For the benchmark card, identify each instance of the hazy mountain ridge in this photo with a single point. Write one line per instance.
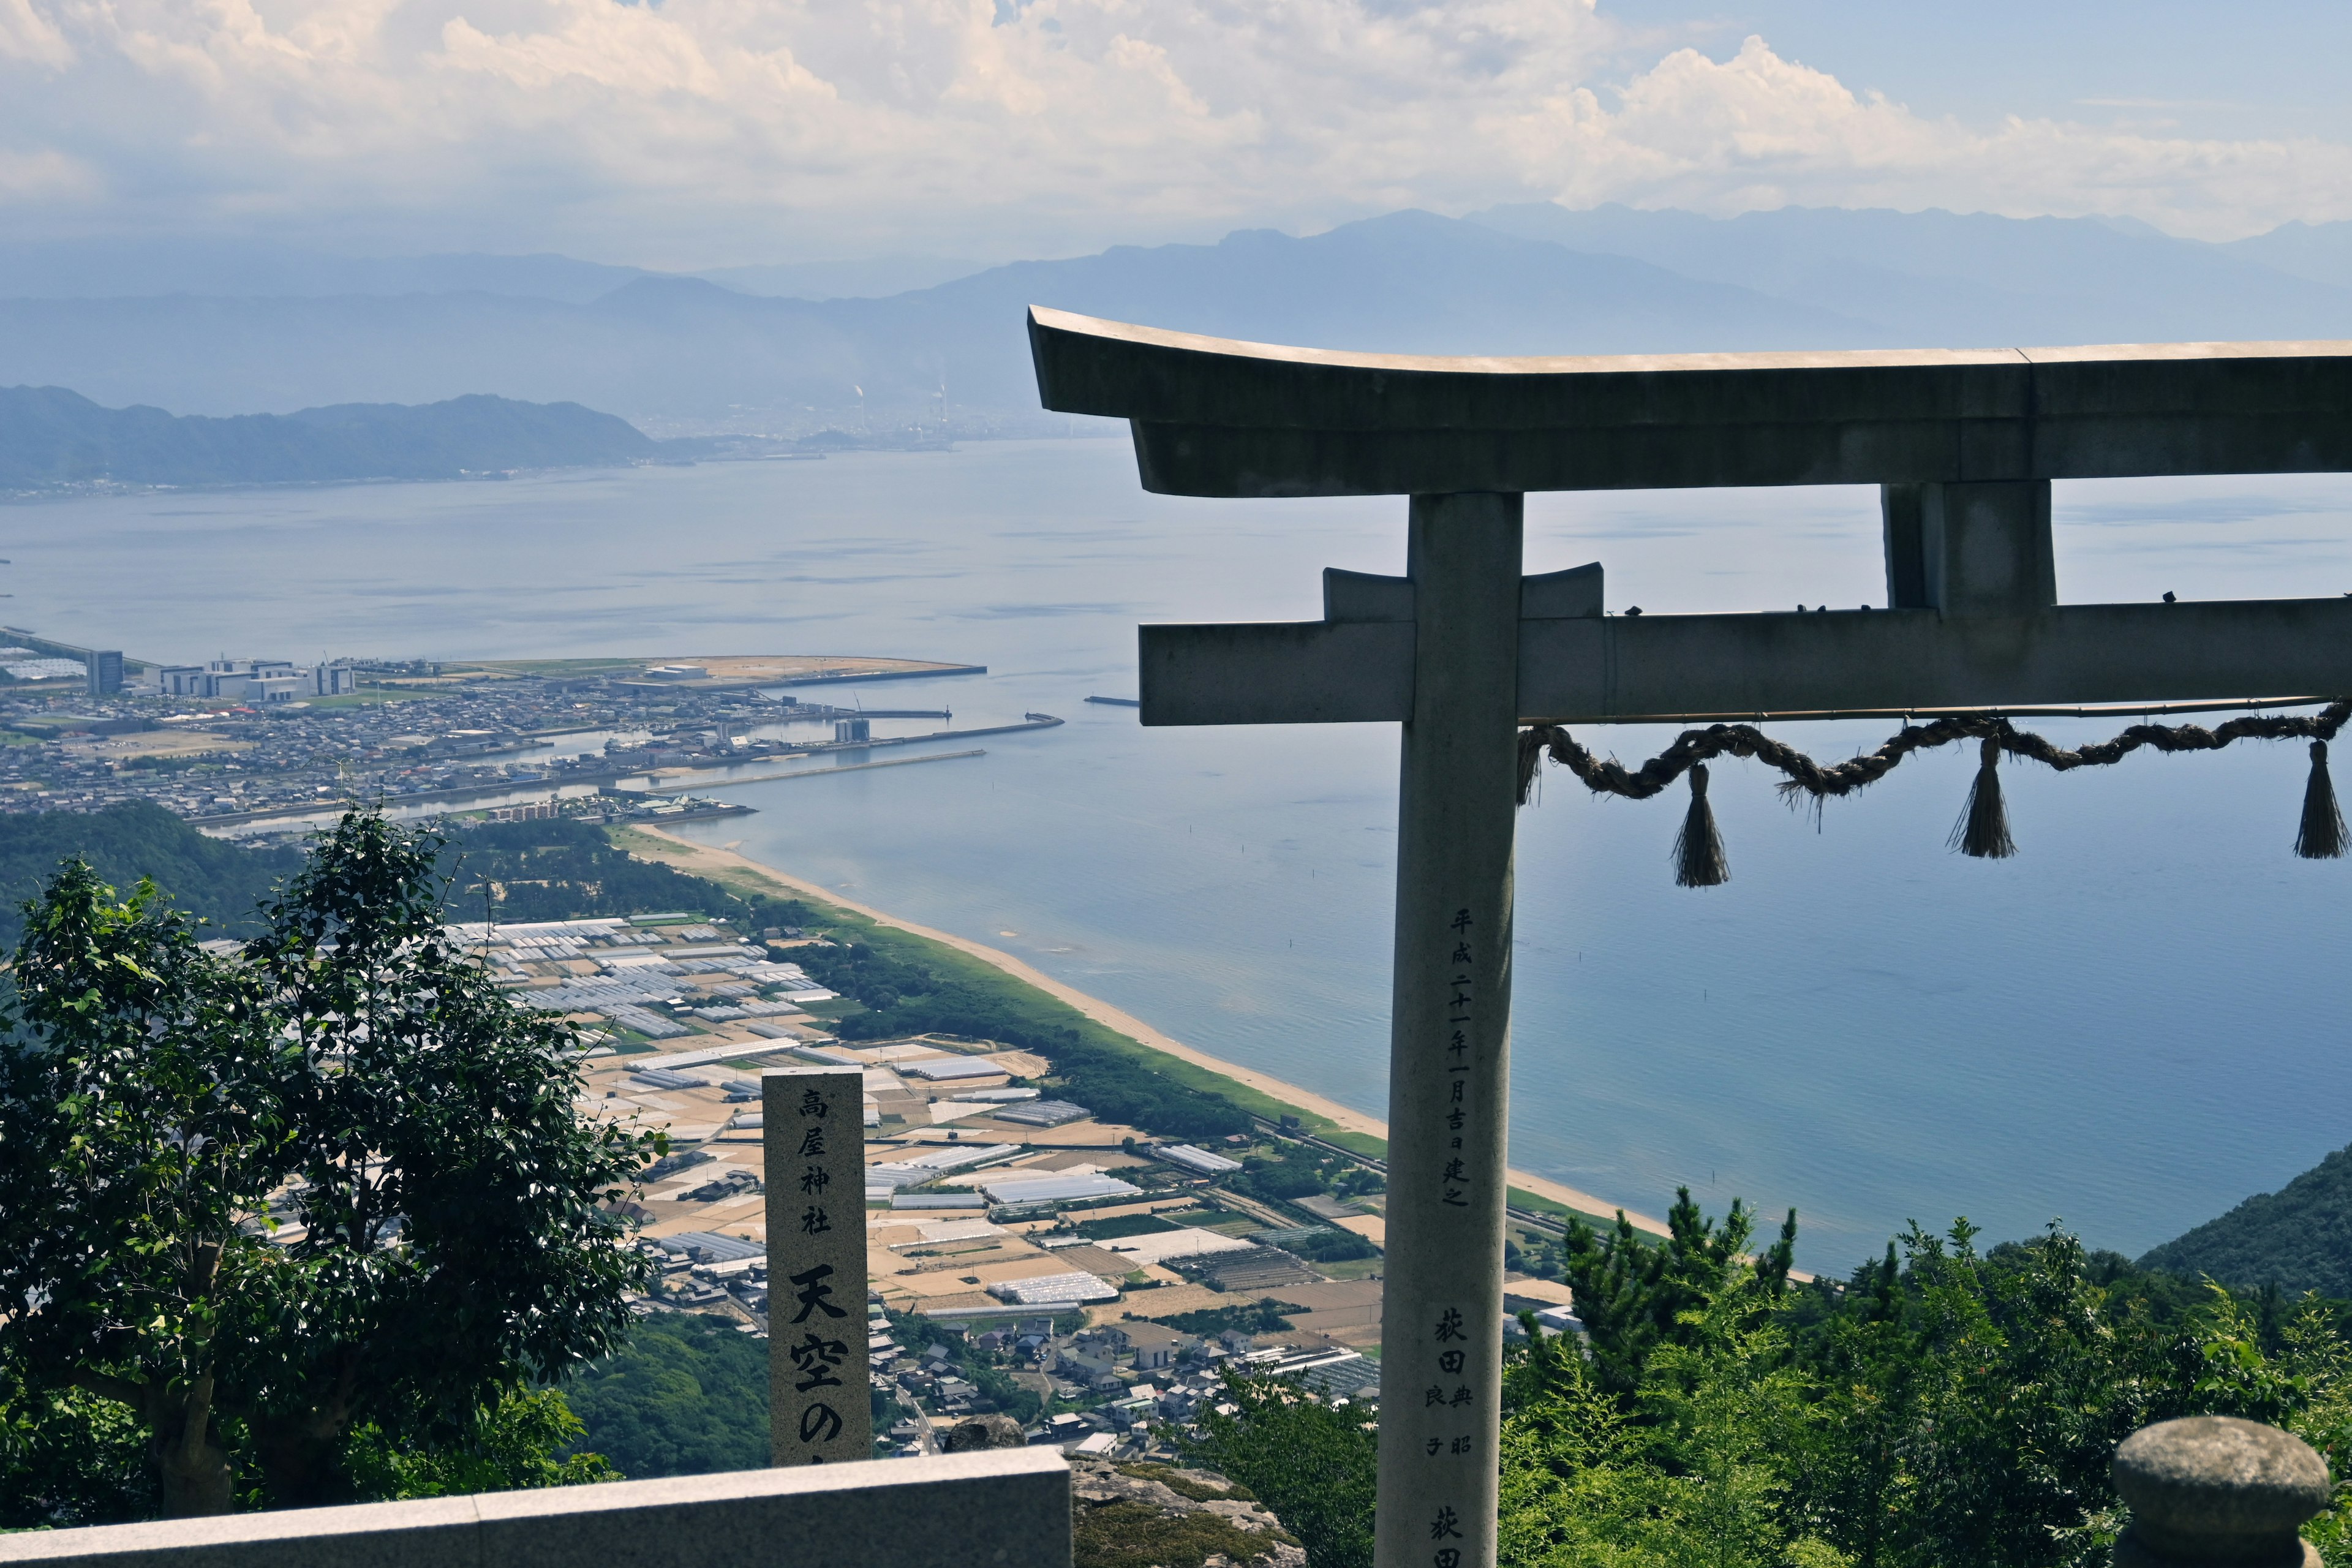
(241, 269)
(1969, 280)
(50, 438)
(244, 270)
(676, 354)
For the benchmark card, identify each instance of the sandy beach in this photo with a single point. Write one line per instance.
(726, 865)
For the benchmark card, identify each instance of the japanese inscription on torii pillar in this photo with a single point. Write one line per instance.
(1462, 649)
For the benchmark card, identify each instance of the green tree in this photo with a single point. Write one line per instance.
(217, 880)
(456, 1237)
(514, 1440)
(1579, 1484)
(69, 1457)
(454, 1240)
(687, 1396)
(1631, 1294)
(1696, 1470)
(139, 1134)
(1315, 1465)
(1972, 1406)
(1732, 1416)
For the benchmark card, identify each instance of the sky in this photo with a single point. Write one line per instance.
(694, 133)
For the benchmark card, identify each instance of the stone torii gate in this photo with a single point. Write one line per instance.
(1463, 648)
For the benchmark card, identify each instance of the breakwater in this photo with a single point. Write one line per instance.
(845, 768)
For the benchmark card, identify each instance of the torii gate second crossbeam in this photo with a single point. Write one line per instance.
(1463, 648)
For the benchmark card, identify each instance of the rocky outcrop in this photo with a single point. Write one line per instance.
(982, 1432)
(1156, 1516)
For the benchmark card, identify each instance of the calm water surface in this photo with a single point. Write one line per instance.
(2130, 1026)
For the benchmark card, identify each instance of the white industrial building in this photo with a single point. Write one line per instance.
(255, 680)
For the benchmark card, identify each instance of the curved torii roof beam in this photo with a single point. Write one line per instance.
(1213, 417)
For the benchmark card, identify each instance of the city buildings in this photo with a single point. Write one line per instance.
(243, 679)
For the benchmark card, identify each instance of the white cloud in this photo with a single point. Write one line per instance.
(28, 37)
(1757, 131)
(46, 175)
(712, 130)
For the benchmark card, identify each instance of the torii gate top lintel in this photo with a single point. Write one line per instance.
(1214, 416)
(1963, 446)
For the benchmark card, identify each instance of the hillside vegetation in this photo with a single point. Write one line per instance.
(2298, 1239)
(518, 872)
(222, 882)
(50, 437)
(689, 1396)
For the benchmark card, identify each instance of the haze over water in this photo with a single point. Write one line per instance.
(2132, 1026)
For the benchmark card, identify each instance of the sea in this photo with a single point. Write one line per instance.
(2124, 1030)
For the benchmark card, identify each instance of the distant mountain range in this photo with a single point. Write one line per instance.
(230, 330)
(248, 269)
(50, 438)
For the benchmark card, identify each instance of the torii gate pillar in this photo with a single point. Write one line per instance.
(1449, 1038)
(1461, 650)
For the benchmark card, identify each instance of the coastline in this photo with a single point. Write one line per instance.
(711, 860)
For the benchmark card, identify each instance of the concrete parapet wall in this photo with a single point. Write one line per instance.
(999, 1509)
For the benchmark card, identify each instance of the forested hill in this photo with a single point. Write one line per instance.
(2298, 1239)
(220, 881)
(50, 438)
(539, 870)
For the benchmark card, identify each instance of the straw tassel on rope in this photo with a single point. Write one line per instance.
(2321, 836)
(1698, 848)
(1982, 831)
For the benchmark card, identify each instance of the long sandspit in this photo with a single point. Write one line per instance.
(707, 859)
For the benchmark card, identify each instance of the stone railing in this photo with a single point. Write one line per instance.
(995, 1508)
(2209, 1491)
(2212, 1490)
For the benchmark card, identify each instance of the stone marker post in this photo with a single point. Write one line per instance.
(813, 1137)
(2208, 1492)
(1449, 1057)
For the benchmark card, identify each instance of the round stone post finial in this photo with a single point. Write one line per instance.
(2213, 1491)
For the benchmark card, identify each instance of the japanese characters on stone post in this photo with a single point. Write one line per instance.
(820, 1410)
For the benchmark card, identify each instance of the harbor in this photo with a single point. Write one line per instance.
(235, 745)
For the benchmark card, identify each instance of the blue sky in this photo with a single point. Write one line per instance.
(705, 132)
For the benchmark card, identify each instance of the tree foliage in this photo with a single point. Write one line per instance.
(687, 1396)
(334, 1182)
(1632, 1295)
(515, 1438)
(558, 869)
(1944, 1408)
(2298, 1239)
(138, 1132)
(220, 882)
(1315, 1465)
